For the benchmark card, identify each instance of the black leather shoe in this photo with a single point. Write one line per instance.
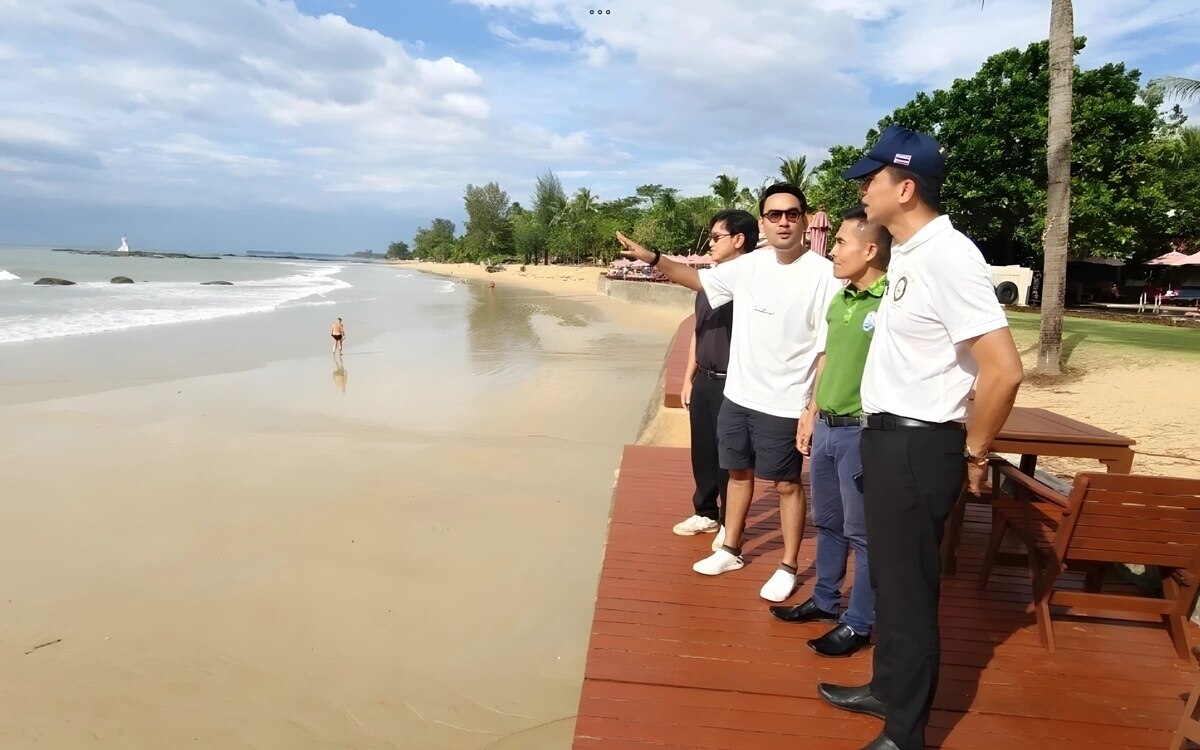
(882, 743)
(841, 641)
(856, 699)
(806, 612)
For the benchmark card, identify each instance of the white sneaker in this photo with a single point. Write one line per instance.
(719, 562)
(719, 539)
(695, 525)
(780, 586)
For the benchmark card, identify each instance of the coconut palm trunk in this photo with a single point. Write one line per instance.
(1058, 193)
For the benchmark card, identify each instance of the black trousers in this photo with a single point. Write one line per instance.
(911, 479)
(711, 480)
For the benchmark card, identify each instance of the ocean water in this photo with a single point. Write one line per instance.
(166, 291)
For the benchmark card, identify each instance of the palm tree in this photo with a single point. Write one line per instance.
(1186, 148)
(1058, 190)
(726, 189)
(578, 218)
(747, 200)
(794, 170)
(1187, 89)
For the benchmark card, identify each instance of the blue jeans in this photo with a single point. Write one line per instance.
(839, 514)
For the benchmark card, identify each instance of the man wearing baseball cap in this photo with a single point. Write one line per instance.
(939, 330)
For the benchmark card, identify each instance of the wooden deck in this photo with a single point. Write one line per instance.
(678, 660)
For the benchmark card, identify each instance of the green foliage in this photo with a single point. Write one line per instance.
(1179, 158)
(993, 127)
(830, 192)
(436, 242)
(489, 231)
(399, 251)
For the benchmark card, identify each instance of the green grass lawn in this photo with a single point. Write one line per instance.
(1149, 339)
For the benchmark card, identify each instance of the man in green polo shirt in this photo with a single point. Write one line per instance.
(829, 436)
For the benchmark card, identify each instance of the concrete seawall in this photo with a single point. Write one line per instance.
(671, 296)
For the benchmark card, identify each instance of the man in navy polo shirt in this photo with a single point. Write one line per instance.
(939, 330)
(730, 233)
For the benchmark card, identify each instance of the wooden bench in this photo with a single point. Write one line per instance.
(1106, 519)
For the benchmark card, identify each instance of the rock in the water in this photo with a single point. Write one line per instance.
(50, 281)
(218, 283)
(121, 280)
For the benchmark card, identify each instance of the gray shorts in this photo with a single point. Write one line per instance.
(749, 439)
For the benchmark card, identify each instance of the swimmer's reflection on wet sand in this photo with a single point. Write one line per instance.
(339, 373)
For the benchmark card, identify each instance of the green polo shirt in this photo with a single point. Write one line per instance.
(851, 319)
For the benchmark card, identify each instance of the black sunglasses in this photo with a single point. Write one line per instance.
(793, 214)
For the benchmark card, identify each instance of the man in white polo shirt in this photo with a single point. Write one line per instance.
(938, 331)
(778, 333)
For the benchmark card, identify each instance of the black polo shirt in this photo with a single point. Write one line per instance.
(713, 331)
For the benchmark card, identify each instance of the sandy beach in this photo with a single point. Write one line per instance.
(212, 539)
(566, 281)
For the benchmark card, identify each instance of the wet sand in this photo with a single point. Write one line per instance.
(247, 549)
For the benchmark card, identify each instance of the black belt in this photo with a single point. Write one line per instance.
(837, 420)
(892, 422)
(713, 374)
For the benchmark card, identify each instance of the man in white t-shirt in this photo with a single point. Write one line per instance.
(939, 330)
(778, 334)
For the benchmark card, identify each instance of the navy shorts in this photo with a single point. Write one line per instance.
(749, 439)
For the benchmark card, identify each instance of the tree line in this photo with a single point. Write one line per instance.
(1135, 179)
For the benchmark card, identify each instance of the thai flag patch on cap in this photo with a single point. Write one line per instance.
(903, 159)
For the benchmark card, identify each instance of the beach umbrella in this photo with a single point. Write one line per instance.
(818, 233)
(1175, 258)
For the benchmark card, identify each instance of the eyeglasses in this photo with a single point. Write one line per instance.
(717, 237)
(792, 214)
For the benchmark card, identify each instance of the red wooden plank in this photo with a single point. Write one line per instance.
(676, 363)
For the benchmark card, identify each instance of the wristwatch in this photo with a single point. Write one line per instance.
(972, 458)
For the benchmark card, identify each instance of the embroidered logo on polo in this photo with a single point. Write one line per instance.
(901, 287)
(869, 322)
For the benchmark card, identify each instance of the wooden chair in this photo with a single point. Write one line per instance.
(1189, 726)
(1107, 519)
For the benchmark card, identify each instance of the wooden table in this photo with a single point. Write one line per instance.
(1039, 432)
(1032, 433)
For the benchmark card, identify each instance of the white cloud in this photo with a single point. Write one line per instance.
(501, 31)
(224, 102)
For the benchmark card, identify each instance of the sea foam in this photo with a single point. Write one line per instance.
(99, 307)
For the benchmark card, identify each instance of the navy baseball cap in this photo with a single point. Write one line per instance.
(901, 147)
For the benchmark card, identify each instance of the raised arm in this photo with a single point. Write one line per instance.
(681, 274)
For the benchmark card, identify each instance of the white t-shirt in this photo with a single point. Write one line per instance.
(939, 297)
(778, 326)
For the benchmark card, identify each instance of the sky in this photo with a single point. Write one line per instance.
(344, 125)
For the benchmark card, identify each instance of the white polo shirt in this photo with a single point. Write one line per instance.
(939, 297)
(778, 326)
